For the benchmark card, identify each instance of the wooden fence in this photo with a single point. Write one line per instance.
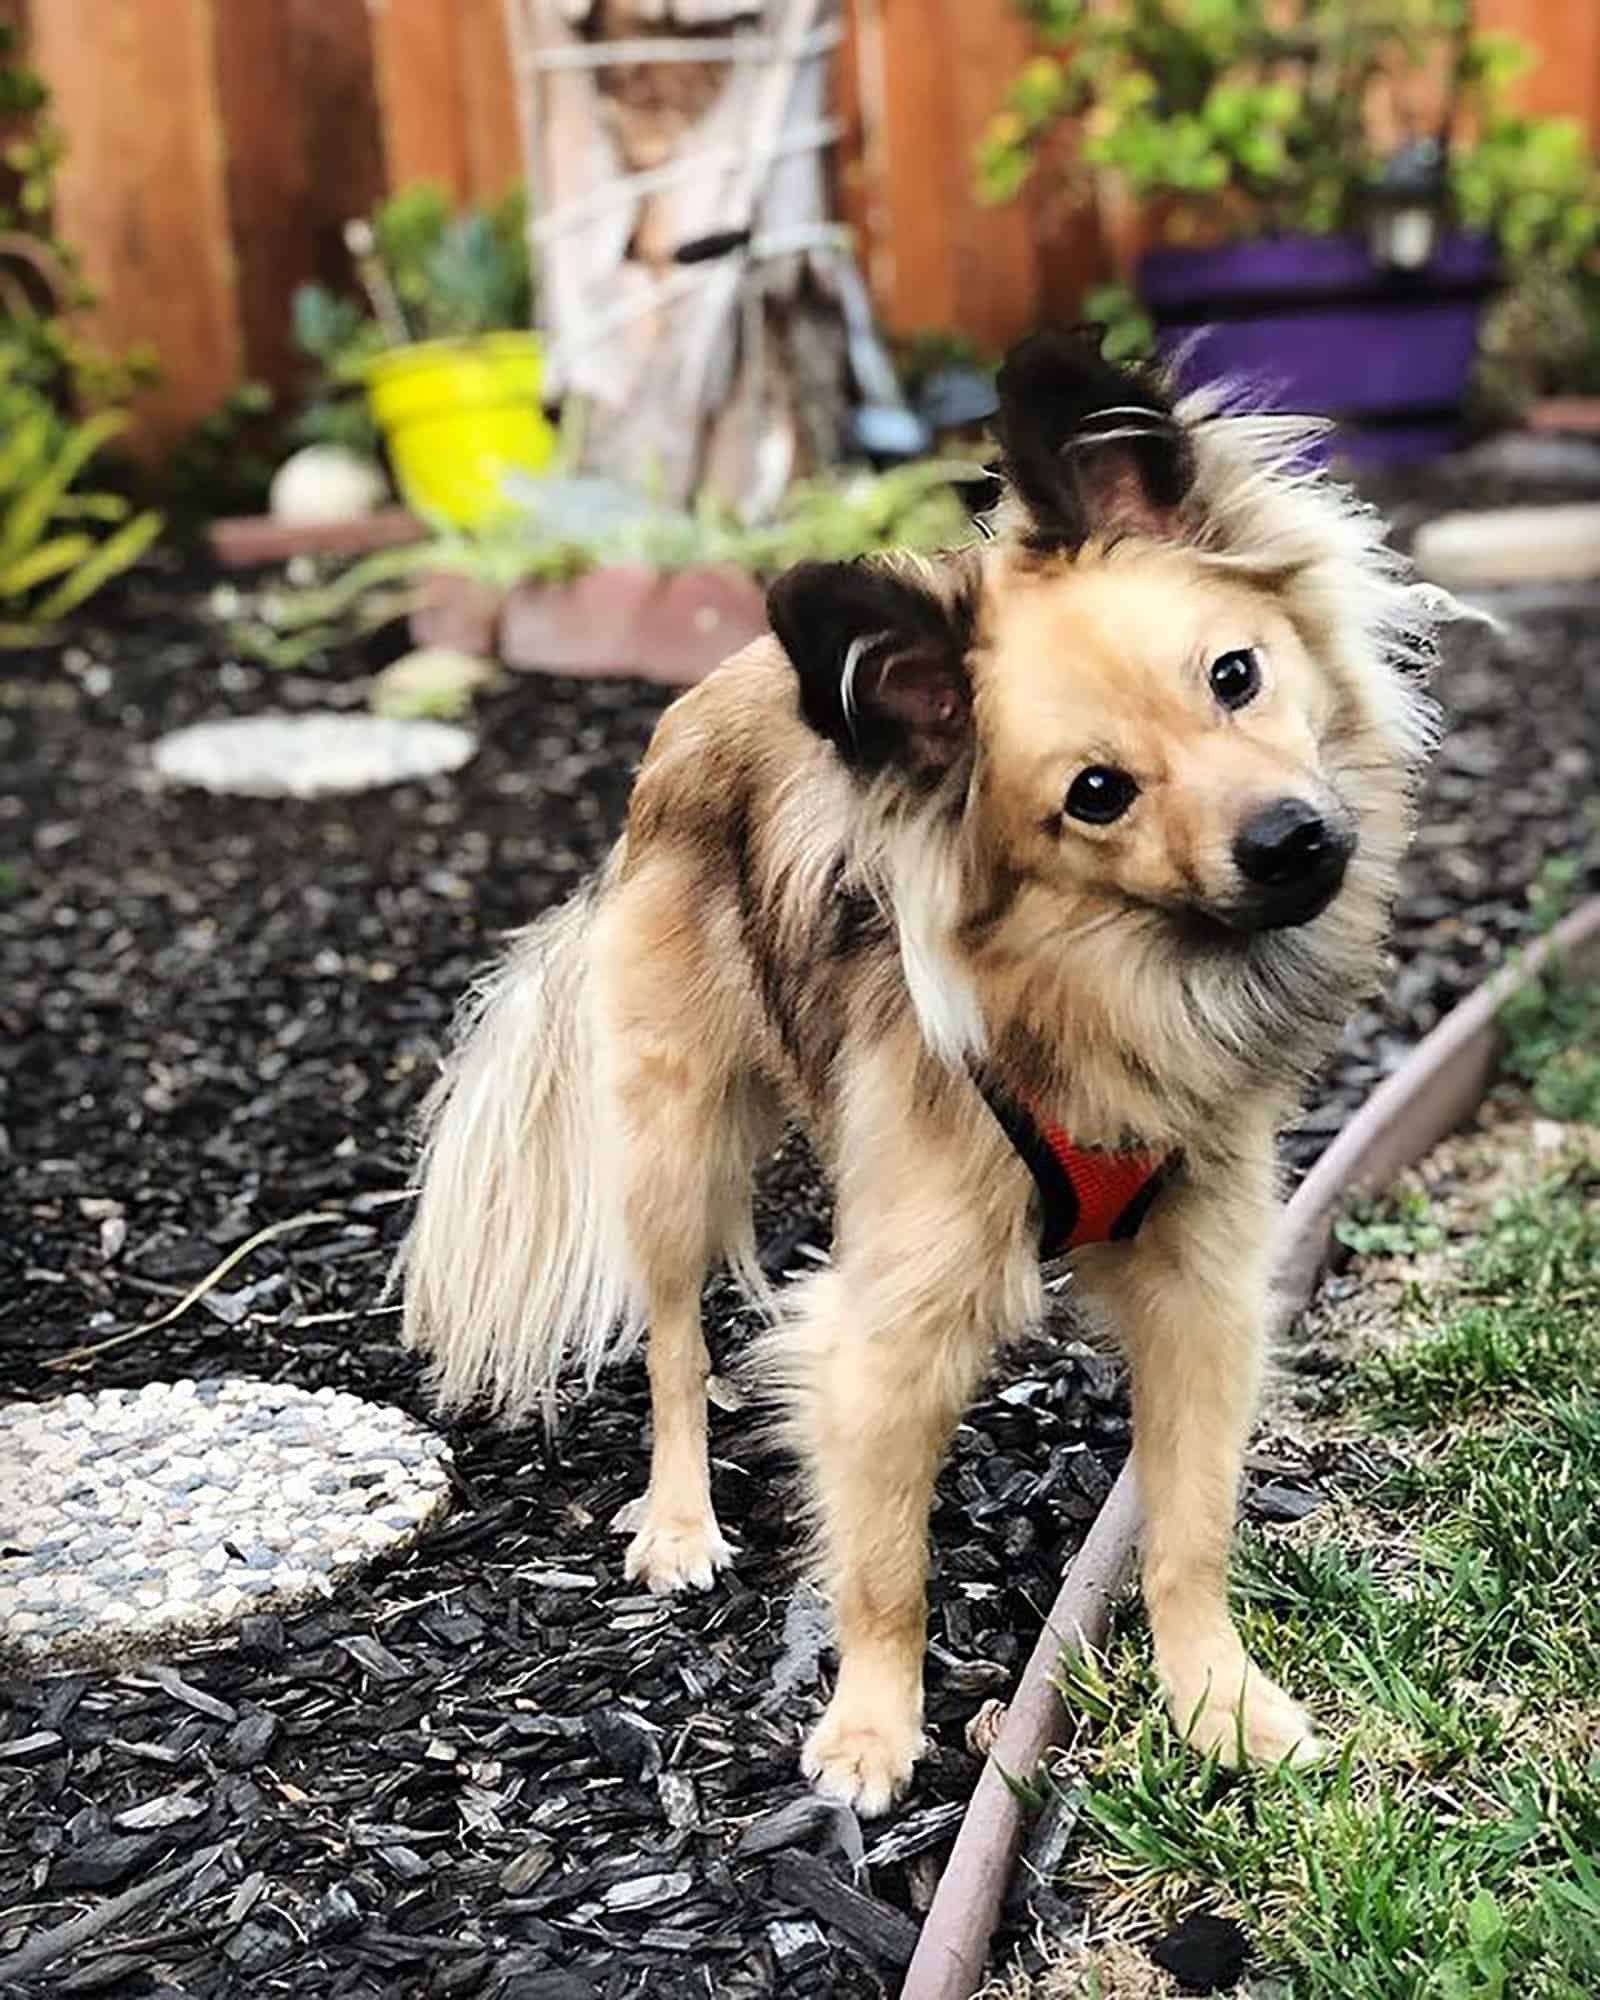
(216, 147)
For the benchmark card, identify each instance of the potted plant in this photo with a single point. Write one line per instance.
(1327, 197)
(443, 365)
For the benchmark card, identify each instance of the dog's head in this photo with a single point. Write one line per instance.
(1173, 687)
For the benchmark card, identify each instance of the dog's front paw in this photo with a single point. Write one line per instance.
(1234, 1708)
(862, 1758)
(676, 1554)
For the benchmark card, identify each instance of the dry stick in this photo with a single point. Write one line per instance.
(797, 25)
(672, 49)
(66, 1938)
(196, 1291)
(674, 289)
(361, 240)
(341, 1318)
(709, 160)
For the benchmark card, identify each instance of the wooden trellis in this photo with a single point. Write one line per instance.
(696, 292)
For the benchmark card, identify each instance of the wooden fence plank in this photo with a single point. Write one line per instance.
(336, 83)
(855, 164)
(489, 103)
(996, 251)
(1565, 34)
(141, 192)
(922, 80)
(919, 172)
(417, 54)
(266, 176)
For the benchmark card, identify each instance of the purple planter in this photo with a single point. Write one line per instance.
(1313, 324)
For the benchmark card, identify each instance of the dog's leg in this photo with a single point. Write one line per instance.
(691, 1129)
(877, 1396)
(1190, 1299)
(677, 1543)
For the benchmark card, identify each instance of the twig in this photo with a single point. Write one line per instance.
(43, 262)
(66, 1938)
(686, 48)
(195, 1292)
(711, 160)
(361, 240)
(339, 1318)
(797, 27)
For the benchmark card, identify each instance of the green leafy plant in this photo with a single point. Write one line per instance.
(1552, 1029)
(1398, 1226)
(573, 525)
(1127, 330)
(1535, 184)
(224, 464)
(60, 397)
(42, 291)
(439, 274)
(1235, 117)
(58, 541)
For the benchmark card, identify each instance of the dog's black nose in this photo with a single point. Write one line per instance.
(1284, 843)
(1294, 861)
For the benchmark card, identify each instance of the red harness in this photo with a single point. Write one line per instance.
(1086, 1194)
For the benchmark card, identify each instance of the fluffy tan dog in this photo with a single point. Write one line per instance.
(1033, 882)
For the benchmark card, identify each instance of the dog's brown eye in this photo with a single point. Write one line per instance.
(1100, 794)
(1236, 678)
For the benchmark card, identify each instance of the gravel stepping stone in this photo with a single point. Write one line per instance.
(140, 1520)
(308, 756)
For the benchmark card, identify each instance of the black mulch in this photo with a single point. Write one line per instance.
(495, 1768)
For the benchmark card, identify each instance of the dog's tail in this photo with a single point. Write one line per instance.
(516, 1263)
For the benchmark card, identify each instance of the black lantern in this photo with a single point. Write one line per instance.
(1406, 207)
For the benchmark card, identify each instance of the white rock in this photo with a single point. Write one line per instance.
(309, 755)
(437, 681)
(1510, 545)
(326, 482)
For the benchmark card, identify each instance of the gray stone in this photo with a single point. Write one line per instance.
(130, 1498)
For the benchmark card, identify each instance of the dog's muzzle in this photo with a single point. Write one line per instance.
(1291, 859)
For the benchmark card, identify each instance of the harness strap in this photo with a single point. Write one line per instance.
(1086, 1193)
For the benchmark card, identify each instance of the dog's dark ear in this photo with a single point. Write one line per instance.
(1093, 449)
(882, 664)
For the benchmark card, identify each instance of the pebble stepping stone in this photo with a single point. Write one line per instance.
(140, 1520)
(309, 756)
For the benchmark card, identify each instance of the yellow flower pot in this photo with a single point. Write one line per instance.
(457, 416)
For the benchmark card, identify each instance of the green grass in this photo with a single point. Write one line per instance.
(1552, 1030)
(1399, 1225)
(1444, 1628)
(1523, 1321)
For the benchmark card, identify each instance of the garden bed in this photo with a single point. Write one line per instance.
(495, 1768)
